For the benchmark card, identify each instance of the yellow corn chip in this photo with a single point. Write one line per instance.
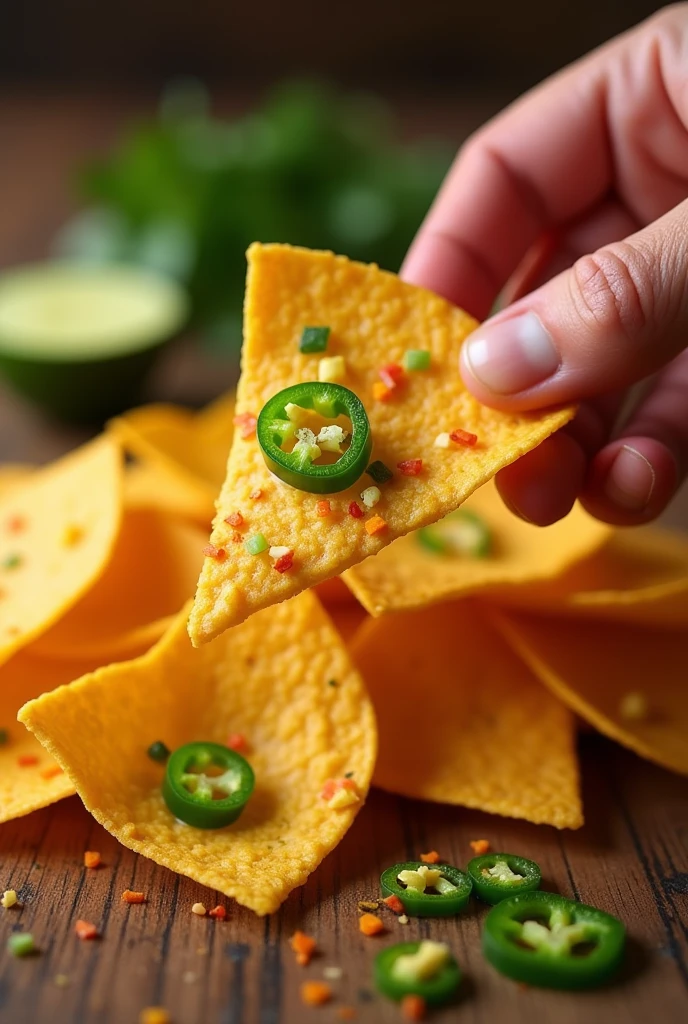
(463, 721)
(374, 319)
(407, 575)
(629, 683)
(56, 534)
(12, 474)
(150, 576)
(639, 576)
(268, 680)
(148, 485)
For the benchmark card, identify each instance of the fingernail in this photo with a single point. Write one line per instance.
(511, 355)
(630, 480)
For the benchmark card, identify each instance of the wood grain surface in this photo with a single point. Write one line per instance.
(630, 859)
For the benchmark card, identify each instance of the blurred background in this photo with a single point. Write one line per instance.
(169, 135)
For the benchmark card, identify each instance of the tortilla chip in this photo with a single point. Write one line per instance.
(57, 532)
(463, 721)
(374, 318)
(148, 485)
(12, 474)
(594, 667)
(267, 679)
(639, 576)
(407, 575)
(151, 575)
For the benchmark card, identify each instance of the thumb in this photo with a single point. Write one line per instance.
(615, 317)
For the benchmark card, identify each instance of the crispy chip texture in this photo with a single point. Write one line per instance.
(639, 576)
(148, 485)
(594, 666)
(267, 679)
(130, 607)
(407, 575)
(463, 721)
(374, 319)
(57, 531)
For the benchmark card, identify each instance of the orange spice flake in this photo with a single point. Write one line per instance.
(128, 896)
(323, 509)
(220, 913)
(85, 930)
(315, 993)
(463, 437)
(304, 946)
(27, 760)
(413, 1007)
(432, 857)
(210, 551)
(394, 903)
(235, 519)
(374, 525)
(370, 924)
(257, 494)
(381, 393)
(92, 859)
(15, 524)
(246, 424)
(480, 846)
(52, 772)
(237, 741)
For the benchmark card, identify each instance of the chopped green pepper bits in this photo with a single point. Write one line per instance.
(158, 751)
(416, 359)
(256, 544)
(379, 472)
(11, 561)
(314, 339)
(21, 944)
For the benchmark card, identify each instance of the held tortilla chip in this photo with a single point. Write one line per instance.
(269, 680)
(640, 576)
(12, 474)
(374, 319)
(409, 575)
(629, 683)
(150, 576)
(57, 531)
(463, 721)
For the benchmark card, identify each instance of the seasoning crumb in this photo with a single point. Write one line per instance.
(85, 930)
(368, 904)
(315, 993)
(633, 707)
(198, 909)
(91, 859)
(219, 913)
(413, 1007)
(154, 1015)
(432, 857)
(9, 899)
(370, 924)
(333, 973)
(128, 896)
(238, 742)
(304, 946)
(61, 980)
(189, 977)
(480, 846)
(394, 903)
(52, 772)
(403, 919)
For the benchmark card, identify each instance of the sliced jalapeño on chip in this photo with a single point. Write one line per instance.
(207, 785)
(437, 890)
(460, 533)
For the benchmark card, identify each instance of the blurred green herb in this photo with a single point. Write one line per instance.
(189, 192)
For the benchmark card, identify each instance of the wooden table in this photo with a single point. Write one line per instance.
(631, 858)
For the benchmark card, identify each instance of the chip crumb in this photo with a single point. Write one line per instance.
(235, 519)
(403, 919)
(91, 859)
(333, 973)
(633, 707)
(155, 1015)
(189, 977)
(442, 440)
(129, 896)
(368, 904)
(61, 980)
(304, 946)
(198, 909)
(413, 1007)
(332, 369)
(9, 898)
(315, 993)
(340, 793)
(432, 857)
(85, 930)
(219, 554)
(480, 846)
(218, 912)
(394, 903)
(256, 494)
(370, 924)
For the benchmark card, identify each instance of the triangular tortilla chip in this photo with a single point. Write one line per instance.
(407, 575)
(57, 531)
(128, 609)
(462, 720)
(283, 680)
(374, 318)
(595, 667)
(148, 485)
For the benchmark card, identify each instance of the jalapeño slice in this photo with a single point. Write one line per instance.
(297, 468)
(496, 876)
(207, 785)
(545, 940)
(443, 897)
(460, 533)
(435, 988)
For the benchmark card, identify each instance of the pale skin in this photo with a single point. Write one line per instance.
(573, 203)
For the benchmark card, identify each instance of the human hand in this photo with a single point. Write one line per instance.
(585, 179)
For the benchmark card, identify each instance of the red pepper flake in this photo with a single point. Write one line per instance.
(15, 524)
(235, 519)
(315, 993)
(91, 859)
(27, 760)
(392, 375)
(381, 393)
(218, 912)
(355, 510)
(394, 903)
(413, 1007)
(370, 924)
(410, 467)
(52, 772)
(463, 437)
(246, 422)
(284, 562)
(257, 494)
(432, 857)
(85, 930)
(304, 946)
(480, 846)
(376, 524)
(133, 897)
(333, 785)
(323, 509)
(219, 554)
(237, 741)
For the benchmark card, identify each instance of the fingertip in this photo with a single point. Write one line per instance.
(542, 486)
(630, 481)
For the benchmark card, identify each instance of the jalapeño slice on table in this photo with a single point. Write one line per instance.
(496, 876)
(425, 969)
(437, 890)
(545, 940)
(460, 533)
(207, 785)
(279, 425)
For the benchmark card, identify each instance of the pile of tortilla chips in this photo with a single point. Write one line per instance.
(471, 669)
